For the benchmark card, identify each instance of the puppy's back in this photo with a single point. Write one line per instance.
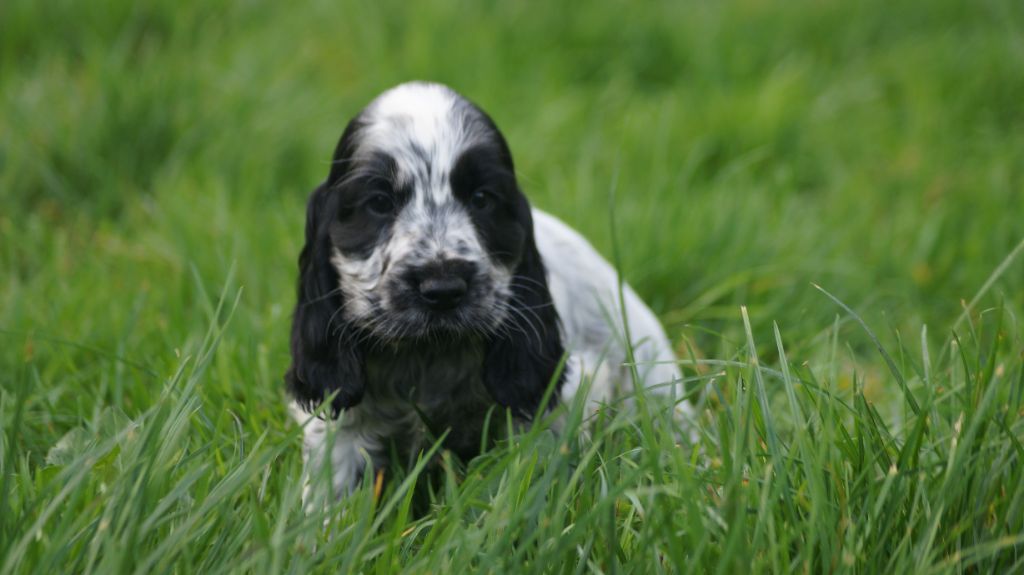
(584, 287)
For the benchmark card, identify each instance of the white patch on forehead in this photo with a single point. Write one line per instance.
(424, 127)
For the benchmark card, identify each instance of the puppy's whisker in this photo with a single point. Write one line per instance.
(523, 310)
(324, 297)
(533, 329)
(522, 278)
(536, 307)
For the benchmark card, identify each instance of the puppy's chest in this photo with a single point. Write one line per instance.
(425, 391)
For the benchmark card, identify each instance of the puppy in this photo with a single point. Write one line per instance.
(430, 293)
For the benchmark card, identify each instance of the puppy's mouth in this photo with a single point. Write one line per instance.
(416, 324)
(454, 323)
(404, 314)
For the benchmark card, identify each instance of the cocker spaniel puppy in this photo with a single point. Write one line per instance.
(430, 293)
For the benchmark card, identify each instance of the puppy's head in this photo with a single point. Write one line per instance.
(420, 234)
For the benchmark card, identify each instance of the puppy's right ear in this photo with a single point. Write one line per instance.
(325, 356)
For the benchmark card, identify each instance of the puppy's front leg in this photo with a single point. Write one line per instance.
(350, 444)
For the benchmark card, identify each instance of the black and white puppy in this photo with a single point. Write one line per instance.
(430, 293)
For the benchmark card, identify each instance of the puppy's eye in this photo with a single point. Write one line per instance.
(482, 200)
(380, 204)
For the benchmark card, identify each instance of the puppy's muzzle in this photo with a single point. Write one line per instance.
(443, 285)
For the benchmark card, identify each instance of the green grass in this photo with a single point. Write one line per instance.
(154, 163)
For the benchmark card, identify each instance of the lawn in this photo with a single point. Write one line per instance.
(823, 201)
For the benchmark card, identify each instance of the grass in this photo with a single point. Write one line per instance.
(154, 163)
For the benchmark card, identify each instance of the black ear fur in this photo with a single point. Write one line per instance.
(325, 357)
(521, 360)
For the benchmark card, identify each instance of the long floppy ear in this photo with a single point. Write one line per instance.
(522, 360)
(325, 357)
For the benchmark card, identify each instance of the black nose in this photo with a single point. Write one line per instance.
(443, 292)
(443, 285)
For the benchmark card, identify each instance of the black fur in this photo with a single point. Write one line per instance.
(521, 362)
(326, 357)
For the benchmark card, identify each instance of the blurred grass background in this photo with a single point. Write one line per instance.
(146, 148)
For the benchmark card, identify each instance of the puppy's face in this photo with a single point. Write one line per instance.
(421, 234)
(426, 221)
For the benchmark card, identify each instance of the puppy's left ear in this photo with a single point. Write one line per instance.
(524, 357)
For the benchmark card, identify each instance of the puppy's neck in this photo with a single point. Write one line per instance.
(427, 372)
